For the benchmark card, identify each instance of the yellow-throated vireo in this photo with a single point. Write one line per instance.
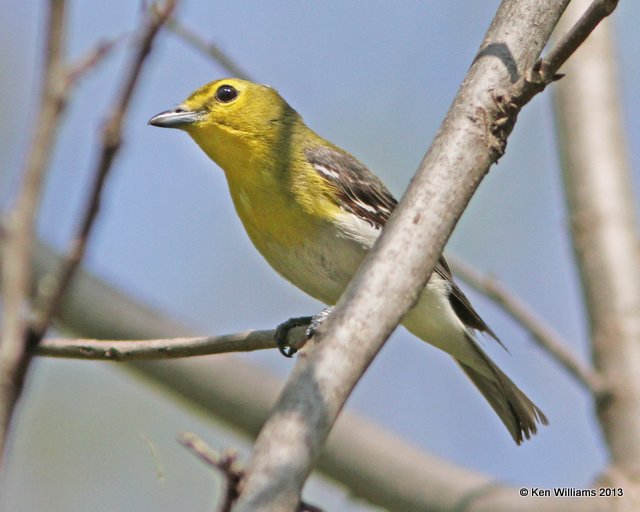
(313, 211)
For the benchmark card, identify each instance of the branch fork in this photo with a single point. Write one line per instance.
(227, 464)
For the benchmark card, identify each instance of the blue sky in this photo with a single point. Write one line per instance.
(376, 80)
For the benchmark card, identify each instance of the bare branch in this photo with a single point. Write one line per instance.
(396, 270)
(111, 142)
(89, 62)
(375, 464)
(209, 48)
(544, 71)
(168, 348)
(545, 335)
(208, 455)
(573, 39)
(600, 197)
(226, 463)
(20, 225)
(18, 337)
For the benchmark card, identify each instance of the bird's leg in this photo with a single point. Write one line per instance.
(312, 323)
(317, 321)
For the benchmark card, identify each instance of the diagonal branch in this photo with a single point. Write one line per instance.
(546, 336)
(19, 226)
(388, 282)
(396, 270)
(373, 463)
(18, 337)
(575, 36)
(209, 48)
(89, 61)
(544, 71)
(111, 143)
(58, 85)
(227, 464)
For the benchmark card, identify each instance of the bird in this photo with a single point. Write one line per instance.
(313, 211)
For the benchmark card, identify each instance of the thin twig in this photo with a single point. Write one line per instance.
(20, 225)
(571, 41)
(546, 336)
(511, 99)
(205, 453)
(72, 75)
(89, 61)
(169, 348)
(68, 81)
(208, 48)
(226, 463)
(111, 142)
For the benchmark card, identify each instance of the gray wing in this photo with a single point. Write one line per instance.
(363, 194)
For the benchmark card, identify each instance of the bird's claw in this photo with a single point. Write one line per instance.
(282, 333)
(283, 330)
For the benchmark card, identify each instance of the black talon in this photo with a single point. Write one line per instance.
(312, 323)
(282, 333)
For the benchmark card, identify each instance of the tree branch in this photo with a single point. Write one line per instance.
(111, 142)
(88, 62)
(471, 138)
(375, 464)
(166, 348)
(545, 336)
(19, 226)
(209, 48)
(396, 270)
(18, 336)
(599, 191)
(225, 463)
(544, 71)
(488, 496)
(575, 36)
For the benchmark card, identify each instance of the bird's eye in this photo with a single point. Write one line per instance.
(226, 93)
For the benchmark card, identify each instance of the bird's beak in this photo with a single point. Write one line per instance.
(178, 117)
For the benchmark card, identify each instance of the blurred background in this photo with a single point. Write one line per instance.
(376, 80)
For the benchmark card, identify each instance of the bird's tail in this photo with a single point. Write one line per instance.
(519, 414)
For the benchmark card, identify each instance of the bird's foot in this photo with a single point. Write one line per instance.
(284, 329)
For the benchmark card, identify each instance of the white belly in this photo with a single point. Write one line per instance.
(322, 267)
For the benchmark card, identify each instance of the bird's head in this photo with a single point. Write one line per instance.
(226, 115)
